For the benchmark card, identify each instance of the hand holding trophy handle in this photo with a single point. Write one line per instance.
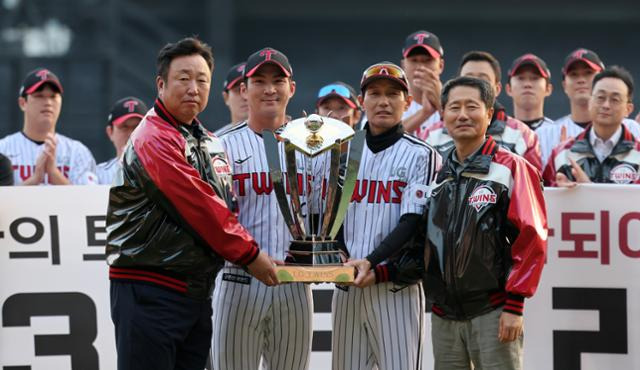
(262, 269)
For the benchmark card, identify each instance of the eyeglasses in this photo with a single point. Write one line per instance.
(614, 100)
(334, 89)
(384, 69)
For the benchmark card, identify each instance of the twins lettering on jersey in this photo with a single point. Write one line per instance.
(376, 191)
(261, 183)
(26, 171)
(372, 191)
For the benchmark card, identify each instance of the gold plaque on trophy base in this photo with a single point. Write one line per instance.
(315, 274)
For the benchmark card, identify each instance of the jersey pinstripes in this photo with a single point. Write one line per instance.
(378, 201)
(106, 171)
(252, 321)
(374, 328)
(424, 126)
(73, 158)
(378, 327)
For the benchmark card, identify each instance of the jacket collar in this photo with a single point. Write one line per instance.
(386, 139)
(479, 162)
(163, 113)
(583, 145)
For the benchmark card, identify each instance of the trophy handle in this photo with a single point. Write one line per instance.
(355, 155)
(275, 172)
(333, 191)
(292, 175)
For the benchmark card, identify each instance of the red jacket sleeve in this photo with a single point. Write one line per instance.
(533, 154)
(527, 212)
(162, 154)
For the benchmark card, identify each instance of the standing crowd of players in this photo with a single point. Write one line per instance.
(449, 192)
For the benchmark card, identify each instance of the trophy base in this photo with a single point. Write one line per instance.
(315, 274)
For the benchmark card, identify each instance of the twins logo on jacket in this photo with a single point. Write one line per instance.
(621, 166)
(250, 319)
(381, 325)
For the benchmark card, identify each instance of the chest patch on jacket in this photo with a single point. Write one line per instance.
(481, 197)
(623, 174)
(220, 166)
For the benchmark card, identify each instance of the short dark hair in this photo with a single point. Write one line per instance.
(186, 46)
(616, 72)
(486, 92)
(482, 56)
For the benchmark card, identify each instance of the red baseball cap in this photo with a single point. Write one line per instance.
(423, 40)
(384, 70)
(530, 60)
(126, 108)
(234, 75)
(37, 78)
(587, 56)
(267, 55)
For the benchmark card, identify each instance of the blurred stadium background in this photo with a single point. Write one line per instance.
(105, 49)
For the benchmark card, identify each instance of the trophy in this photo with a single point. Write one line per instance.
(314, 255)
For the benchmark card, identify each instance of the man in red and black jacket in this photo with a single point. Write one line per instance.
(171, 223)
(606, 151)
(486, 238)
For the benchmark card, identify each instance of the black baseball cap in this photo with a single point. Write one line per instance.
(267, 55)
(126, 108)
(587, 56)
(37, 78)
(234, 75)
(386, 70)
(423, 40)
(530, 60)
(340, 90)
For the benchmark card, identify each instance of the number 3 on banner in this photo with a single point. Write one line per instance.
(20, 308)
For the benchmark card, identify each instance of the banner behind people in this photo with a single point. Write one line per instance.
(54, 291)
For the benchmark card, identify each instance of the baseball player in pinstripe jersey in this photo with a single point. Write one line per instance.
(233, 99)
(376, 324)
(528, 85)
(253, 322)
(124, 117)
(580, 67)
(38, 154)
(423, 61)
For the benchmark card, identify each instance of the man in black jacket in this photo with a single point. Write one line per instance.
(171, 221)
(486, 238)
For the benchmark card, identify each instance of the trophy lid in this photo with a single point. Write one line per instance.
(315, 134)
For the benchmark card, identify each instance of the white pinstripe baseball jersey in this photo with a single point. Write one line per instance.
(253, 321)
(73, 158)
(413, 108)
(385, 190)
(222, 130)
(379, 327)
(106, 171)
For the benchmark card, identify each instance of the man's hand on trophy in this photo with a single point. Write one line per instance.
(262, 269)
(363, 272)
